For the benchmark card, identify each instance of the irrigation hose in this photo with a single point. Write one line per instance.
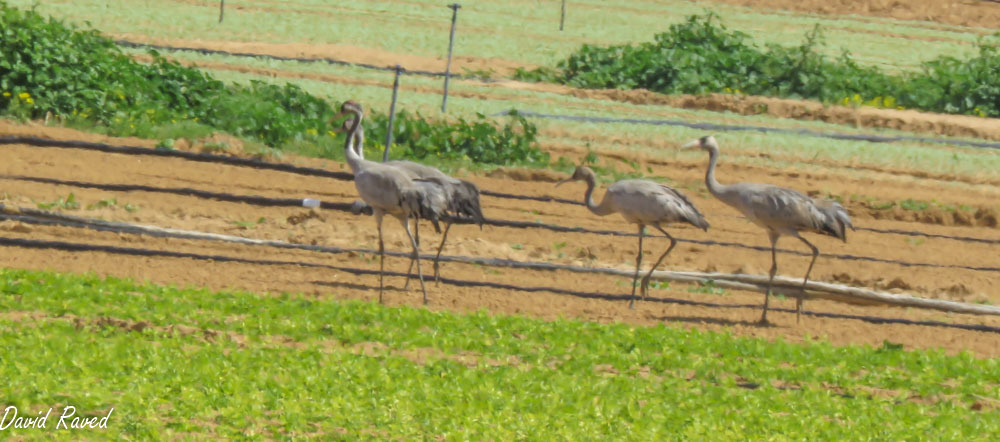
(82, 247)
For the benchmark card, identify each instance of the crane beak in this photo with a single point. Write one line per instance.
(564, 181)
(692, 144)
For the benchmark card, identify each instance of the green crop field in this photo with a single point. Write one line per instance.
(188, 362)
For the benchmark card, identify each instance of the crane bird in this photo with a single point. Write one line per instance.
(779, 211)
(461, 197)
(389, 190)
(643, 203)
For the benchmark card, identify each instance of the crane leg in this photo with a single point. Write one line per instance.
(798, 302)
(638, 261)
(381, 255)
(437, 258)
(416, 257)
(770, 280)
(645, 280)
(416, 231)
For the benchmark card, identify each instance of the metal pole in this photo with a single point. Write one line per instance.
(392, 114)
(222, 9)
(562, 17)
(451, 43)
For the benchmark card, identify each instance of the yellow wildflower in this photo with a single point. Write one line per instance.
(29, 100)
(24, 95)
(6, 94)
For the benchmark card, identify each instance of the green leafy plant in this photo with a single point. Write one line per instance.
(700, 55)
(708, 287)
(67, 203)
(480, 140)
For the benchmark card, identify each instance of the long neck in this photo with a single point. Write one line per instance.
(360, 141)
(354, 157)
(589, 199)
(713, 186)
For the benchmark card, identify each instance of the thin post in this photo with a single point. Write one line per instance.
(222, 9)
(451, 44)
(392, 114)
(562, 17)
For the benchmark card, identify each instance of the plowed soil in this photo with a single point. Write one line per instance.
(734, 310)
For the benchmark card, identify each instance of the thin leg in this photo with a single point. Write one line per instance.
(437, 277)
(638, 261)
(416, 257)
(381, 255)
(645, 280)
(774, 269)
(416, 231)
(798, 302)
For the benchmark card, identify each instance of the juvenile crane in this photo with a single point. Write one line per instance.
(389, 190)
(643, 203)
(779, 211)
(461, 197)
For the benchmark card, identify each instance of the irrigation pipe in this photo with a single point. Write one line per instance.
(789, 286)
(38, 244)
(137, 45)
(730, 127)
(344, 176)
(186, 191)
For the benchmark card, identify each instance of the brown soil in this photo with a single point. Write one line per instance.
(343, 52)
(978, 13)
(867, 117)
(736, 311)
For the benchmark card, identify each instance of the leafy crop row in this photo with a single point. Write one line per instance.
(298, 365)
(49, 69)
(700, 55)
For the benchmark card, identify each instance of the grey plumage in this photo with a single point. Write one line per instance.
(643, 203)
(389, 190)
(460, 197)
(779, 211)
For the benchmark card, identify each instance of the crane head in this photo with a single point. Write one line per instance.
(706, 142)
(349, 107)
(582, 173)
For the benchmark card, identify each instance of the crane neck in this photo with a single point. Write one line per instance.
(589, 198)
(354, 157)
(359, 140)
(713, 186)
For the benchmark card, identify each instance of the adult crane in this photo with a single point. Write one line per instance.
(389, 190)
(643, 203)
(779, 211)
(461, 197)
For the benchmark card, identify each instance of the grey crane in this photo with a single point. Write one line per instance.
(643, 203)
(389, 190)
(461, 197)
(777, 210)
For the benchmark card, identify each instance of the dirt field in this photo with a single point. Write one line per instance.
(734, 310)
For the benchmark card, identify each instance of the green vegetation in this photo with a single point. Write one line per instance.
(478, 141)
(193, 363)
(134, 99)
(67, 203)
(701, 55)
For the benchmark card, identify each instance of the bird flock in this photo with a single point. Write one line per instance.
(405, 190)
